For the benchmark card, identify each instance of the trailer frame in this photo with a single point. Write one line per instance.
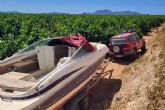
(82, 100)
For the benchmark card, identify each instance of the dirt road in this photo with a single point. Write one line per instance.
(105, 91)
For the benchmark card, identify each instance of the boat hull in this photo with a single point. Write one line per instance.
(69, 88)
(78, 84)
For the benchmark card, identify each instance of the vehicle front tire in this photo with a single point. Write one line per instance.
(135, 55)
(144, 48)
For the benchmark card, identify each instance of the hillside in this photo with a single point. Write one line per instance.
(137, 85)
(109, 12)
(97, 12)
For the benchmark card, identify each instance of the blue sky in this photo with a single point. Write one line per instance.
(79, 6)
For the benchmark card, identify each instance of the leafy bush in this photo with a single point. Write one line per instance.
(20, 30)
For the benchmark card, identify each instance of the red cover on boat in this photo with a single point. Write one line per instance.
(77, 41)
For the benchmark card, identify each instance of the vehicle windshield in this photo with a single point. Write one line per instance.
(118, 40)
(40, 43)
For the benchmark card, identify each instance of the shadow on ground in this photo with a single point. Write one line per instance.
(127, 60)
(104, 92)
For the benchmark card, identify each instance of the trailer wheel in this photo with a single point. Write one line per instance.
(80, 102)
(72, 107)
(85, 103)
(77, 107)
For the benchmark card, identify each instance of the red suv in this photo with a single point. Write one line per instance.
(126, 44)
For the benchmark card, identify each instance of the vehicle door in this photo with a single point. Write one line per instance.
(133, 41)
(139, 41)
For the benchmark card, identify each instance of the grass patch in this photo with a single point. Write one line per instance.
(135, 65)
(126, 70)
(156, 95)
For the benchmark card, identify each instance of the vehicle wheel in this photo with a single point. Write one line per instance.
(135, 55)
(111, 58)
(85, 103)
(144, 48)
